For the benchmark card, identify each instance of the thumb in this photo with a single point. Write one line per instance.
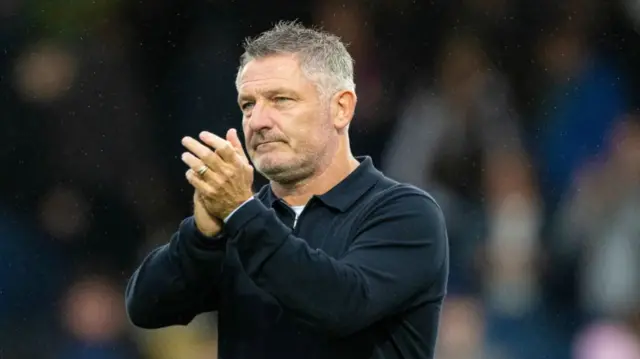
(232, 137)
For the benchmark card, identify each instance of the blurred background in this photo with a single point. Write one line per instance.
(520, 117)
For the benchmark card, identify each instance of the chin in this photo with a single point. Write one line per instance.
(272, 162)
(281, 168)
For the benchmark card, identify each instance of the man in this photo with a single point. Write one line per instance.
(332, 259)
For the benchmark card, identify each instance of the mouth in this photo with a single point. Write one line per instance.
(260, 145)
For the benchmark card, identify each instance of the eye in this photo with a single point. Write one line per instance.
(282, 99)
(246, 106)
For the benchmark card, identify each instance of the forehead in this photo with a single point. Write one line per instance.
(277, 71)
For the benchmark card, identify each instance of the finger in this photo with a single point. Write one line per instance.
(232, 137)
(202, 187)
(194, 163)
(223, 148)
(217, 173)
(209, 157)
(194, 146)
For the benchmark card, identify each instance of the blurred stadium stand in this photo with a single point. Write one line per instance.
(520, 117)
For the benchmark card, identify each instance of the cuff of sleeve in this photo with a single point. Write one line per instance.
(236, 210)
(190, 232)
(244, 214)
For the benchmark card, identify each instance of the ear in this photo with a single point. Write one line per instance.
(343, 106)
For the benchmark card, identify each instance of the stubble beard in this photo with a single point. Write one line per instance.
(303, 165)
(288, 173)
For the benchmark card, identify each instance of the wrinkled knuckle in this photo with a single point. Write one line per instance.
(210, 192)
(209, 158)
(227, 148)
(219, 180)
(228, 171)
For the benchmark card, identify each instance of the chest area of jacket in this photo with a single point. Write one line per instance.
(322, 228)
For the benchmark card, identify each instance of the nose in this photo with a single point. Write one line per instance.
(261, 118)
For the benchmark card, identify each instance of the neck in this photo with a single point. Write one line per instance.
(336, 169)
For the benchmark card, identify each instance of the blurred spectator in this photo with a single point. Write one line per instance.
(459, 140)
(198, 341)
(600, 224)
(109, 114)
(92, 227)
(31, 276)
(462, 331)
(514, 115)
(584, 96)
(94, 318)
(606, 341)
(349, 21)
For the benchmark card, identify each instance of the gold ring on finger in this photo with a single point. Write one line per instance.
(202, 170)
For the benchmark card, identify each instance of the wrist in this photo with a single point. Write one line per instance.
(228, 215)
(193, 238)
(208, 231)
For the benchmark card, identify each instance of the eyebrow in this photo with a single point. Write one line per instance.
(267, 93)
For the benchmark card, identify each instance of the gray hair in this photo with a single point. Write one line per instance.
(323, 57)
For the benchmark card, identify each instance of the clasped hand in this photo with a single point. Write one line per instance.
(228, 181)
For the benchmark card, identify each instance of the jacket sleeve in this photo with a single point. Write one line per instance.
(176, 281)
(400, 251)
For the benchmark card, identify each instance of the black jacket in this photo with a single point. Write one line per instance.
(362, 275)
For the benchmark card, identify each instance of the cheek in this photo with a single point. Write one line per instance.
(246, 132)
(245, 127)
(313, 137)
(306, 130)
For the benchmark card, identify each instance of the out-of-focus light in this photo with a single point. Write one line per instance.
(64, 213)
(94, 311)
(45, 72)
(606, 341)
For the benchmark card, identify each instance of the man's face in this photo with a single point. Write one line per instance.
(286, 124)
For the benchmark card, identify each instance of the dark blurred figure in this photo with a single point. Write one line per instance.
(95, 322)
(31, 276)
(463, 330)
(584, 95)
(349, 21)
(92, 226)
(95, 96)
(460, 140)
(599, 227)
